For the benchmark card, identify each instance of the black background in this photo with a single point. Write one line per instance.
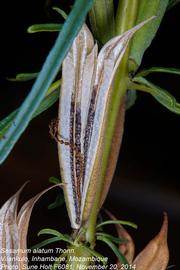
(147, 176)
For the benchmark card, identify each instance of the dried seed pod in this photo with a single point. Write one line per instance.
(13, 231)
(86, 90)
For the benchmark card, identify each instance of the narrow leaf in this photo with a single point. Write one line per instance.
(47, 102)
(23, 77)
(51, 97)
(144, 37)
(54, 86)
(6, 122)
(161, 95)
(156, 254)
(128, 248)
(46, 75)
(113, 239)
(116, 251)
(46, 242)
(54, 180)
(146, 72)
(57, 234)
(50, 231)
(45, 27)
(122, 222)
(61, 12)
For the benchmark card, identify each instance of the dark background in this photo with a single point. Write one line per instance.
(147, 176)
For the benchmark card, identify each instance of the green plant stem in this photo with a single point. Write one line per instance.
(120, 87)
(126, 15)
(101, 19)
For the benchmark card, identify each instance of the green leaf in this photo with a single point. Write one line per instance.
(6, 122)
(101, 18)
(57, 234)
(146, 72)
(116, 251)
(23, 77)
(59, 201)
(51, 97)
(161, 95)
(47, 74)
(54, 86)
(131, 97)
(45, 27)
(122, 222)
(54, 180)
(143, 38)
(172, 3)
(61, 12)
(116, 240)
(46, 242)
(47, 102)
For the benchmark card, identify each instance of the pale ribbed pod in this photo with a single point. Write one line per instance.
(86, 89)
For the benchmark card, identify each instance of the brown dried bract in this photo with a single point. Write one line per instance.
(155, 255)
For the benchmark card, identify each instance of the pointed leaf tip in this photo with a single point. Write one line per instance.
(13, 233)
(156, 254)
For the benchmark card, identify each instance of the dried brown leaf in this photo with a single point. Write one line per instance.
(155, 256)
(13, 231)
(9, 233)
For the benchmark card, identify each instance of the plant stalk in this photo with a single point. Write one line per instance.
(126, 15)
(127, 21)
(101, 19)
